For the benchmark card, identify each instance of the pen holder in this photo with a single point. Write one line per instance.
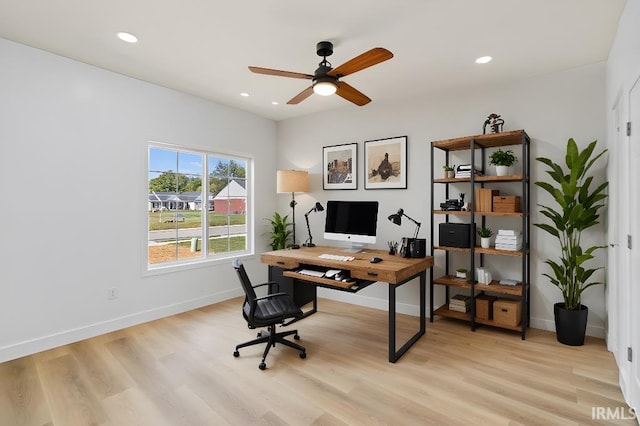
(393, 247)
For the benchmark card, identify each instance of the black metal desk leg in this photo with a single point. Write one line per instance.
(393, 354)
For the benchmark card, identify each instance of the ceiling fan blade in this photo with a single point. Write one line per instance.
(352, 94)
(301, 96)
(367, 59)
(279, 73)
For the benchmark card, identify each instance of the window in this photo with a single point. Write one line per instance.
(187, 221)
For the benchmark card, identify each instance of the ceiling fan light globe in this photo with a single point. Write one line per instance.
(324, 88)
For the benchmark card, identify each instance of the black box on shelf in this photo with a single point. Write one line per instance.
(457, 235)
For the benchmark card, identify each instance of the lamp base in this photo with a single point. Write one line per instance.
(308, 245)
(294, 246)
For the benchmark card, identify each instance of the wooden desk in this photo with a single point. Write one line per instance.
(393, 270)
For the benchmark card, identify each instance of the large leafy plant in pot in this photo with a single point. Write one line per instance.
(280, 231)
(577, 210)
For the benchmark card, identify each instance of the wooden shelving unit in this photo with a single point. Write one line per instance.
(477, 145)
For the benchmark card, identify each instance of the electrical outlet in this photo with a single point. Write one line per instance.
(112, 293)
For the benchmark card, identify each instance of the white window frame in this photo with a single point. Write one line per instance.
(206, 259)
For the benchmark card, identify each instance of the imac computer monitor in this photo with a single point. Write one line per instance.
(352, 221)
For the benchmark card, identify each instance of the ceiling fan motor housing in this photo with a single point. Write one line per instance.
(324, 48)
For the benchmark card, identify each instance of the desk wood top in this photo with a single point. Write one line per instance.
(392, 269)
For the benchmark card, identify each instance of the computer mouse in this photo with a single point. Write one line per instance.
(375, 259)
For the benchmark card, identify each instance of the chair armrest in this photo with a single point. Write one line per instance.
(268, 296)
(268, 283)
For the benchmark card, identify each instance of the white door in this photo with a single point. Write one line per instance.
(614, 215)
(634, 230)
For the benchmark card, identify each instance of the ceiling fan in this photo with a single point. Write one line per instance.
(326, 79)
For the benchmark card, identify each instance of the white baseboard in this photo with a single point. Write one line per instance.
(369, 302)
(29, 347)
(414, 310)
(550, 325)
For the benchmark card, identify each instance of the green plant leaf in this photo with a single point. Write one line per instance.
(578, 209)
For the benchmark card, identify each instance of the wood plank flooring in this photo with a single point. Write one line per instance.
(180, 371)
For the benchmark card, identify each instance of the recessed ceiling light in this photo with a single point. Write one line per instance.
(129, 38)
(244, 94)
(274, 103)
(483, 60)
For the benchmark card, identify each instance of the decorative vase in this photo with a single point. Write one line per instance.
(485, 242)
(571, 325)
(449, 174)
(503, 170)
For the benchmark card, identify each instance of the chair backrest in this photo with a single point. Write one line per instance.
(245, 281)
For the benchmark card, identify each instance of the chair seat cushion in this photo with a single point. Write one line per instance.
(276, 308)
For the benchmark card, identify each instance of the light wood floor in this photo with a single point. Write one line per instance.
(180, 371)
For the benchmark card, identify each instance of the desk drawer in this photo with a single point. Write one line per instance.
(280, 262)
(369, 275)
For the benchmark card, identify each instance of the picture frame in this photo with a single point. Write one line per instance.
(340, 166)
(386, 163)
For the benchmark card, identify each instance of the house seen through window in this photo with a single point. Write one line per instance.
(197, 205)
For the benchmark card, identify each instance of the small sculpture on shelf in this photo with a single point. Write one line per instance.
(494, 122)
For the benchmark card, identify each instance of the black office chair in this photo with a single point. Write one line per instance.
(267, 311)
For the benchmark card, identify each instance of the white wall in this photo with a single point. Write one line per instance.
(73, 146)
(551, 108)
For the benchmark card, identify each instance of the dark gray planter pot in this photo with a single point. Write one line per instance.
(571, 325)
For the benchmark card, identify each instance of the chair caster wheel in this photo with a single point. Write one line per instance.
(262, 366)
(296, 337)
(236, 354)
(303, 355)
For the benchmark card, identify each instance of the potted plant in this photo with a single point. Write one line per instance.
(577, 210)
(485, 237)
(461, 273)
(449, 171)
(503, 160)
(280, 231)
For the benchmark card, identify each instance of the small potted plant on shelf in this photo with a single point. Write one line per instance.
(485, 237)
(503, 160)
(577, 210)
(449, 171)
(461, 273)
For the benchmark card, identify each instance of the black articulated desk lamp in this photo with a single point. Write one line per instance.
(317, 208)
(410, 247)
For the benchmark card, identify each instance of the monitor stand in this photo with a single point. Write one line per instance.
(354, 248)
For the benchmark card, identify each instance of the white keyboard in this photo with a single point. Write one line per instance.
(311, 272)
(336, 257)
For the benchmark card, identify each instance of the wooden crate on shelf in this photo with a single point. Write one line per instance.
(484, 306)
(506, 204)
(507, 311)
(484, 199)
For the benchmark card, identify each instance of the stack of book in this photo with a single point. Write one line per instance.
(508, 239)
(460, 303)
(464, 171)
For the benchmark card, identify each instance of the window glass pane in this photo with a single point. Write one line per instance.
(179, 208)
(227, 183)
(162, 186)
(189, 214)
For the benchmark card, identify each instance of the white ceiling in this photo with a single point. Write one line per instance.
(203, 47)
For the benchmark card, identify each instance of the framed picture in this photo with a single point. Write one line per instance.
(386, 163)
(340, 164)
